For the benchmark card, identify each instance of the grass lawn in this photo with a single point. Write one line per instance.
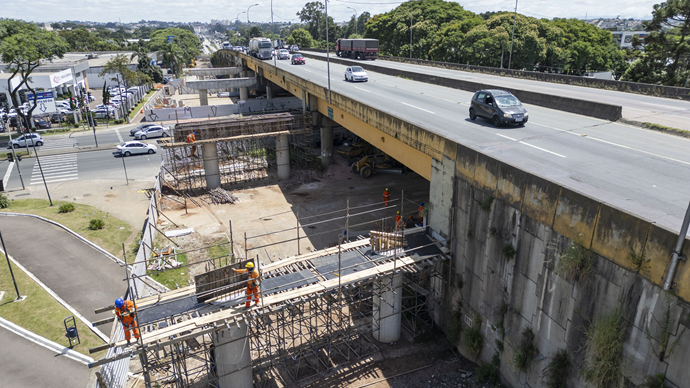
(173, 278)
(109, 238)
(140, 105)
(39, 312)
(221, 252)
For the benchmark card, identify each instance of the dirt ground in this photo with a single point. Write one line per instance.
(270, 206)
(316, 199)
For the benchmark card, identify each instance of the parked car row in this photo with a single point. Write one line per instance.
(149, 130)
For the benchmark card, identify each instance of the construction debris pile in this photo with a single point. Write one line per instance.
(219, 196)
(164, 259)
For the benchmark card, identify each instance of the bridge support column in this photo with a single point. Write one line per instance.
(211, 165)
(387, 305)
(283, 156)
(244, 93)
(304, 101)
(233, 361)
(203, 97)
(269, 92)
(327, 142)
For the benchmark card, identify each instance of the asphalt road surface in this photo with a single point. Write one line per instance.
(26, 364)
(665, 111)
(644, 172)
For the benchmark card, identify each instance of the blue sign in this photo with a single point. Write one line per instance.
(170, 38)
(45, 102)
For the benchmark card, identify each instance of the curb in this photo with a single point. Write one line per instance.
(59, 300)
(84, 240)
(46, 343)
(670, 131)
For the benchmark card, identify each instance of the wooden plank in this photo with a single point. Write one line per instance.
(103, 321)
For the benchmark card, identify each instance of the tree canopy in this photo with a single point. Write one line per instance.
(188, 44)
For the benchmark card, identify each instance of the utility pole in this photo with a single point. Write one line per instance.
(328, 56)
(355, 18)
(7, 256)
(512, 36)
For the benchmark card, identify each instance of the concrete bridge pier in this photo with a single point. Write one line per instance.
(203, 97)
(211, 165)
(233, 361)
(244, 93)
(387, 306)
(283, 156)
(269, 91)
(327, 141)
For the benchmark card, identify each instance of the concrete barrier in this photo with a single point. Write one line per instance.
(562, 103)
(576, 216)
(540, 200)
(617, 232)
(511, 185)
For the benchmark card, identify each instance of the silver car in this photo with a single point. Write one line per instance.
(135, 147)
(33, 139)
(153, 131)
(356, 73)
(134, 130)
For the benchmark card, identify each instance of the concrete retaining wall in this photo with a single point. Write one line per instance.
(541, 219)
(566, 104)
(250, 106)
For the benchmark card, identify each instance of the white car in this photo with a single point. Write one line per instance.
(135, 147)
(356, 73)
(294, 47)
(152, 131)
(34, 139)
(141, 127)
(283, 54)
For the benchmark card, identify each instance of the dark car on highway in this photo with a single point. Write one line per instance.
(297, 59)
(499, 106)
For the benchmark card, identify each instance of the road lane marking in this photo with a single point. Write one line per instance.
(6, 178)
(506, 137)
(364, 90)
(541, 149)
(419, 108)
(119, 137)
(615, 144)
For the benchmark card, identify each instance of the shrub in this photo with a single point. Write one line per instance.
(639, 260)
(556, 372)
(508, 251)
(576, 263)
(486, 203)
(96, 224)
(489, 372)
(472, 338)
(119, 121)
(525, 352)
(656, 381)
(4, 201)
(604, 350)
(66, 207)
(455, 327)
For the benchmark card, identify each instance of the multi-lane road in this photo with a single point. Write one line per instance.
(669, 112)
(641, 171)
(64, 159)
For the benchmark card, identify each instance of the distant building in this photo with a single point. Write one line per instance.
(624, 38)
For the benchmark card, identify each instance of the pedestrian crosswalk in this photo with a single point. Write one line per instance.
(54, 144)
(56, 168)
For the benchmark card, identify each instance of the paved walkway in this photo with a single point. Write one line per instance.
(83, 277)
(26, 364)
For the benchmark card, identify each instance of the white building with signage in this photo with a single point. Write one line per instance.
(624, 38)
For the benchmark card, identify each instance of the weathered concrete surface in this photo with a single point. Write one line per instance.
(541, 219)
(213, 71)
(222, 83)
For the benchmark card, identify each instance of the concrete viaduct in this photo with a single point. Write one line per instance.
(529, 213)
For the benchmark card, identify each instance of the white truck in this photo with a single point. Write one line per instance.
(260, 48)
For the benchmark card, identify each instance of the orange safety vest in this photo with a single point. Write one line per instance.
(191, 138)
(126, 313)
(386, 195)
(254, 274)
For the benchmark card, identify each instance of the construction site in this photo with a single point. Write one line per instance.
(341, 278)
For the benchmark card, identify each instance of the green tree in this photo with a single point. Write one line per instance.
(300, 37)
(667, 43)
(22, 48)
(312, 15)
(585, 47)
(429, 17)
(188, 44)
(144, 65)
(448, 44)
(174, 58)
(120, 66)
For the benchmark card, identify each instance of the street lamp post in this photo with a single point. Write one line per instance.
(355, 18)
(510, 56)
(328, 55)
(249, 27)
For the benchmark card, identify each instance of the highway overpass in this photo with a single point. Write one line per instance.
(638, 170)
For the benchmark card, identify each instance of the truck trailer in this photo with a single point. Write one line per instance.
(357, 48)
(260, 48)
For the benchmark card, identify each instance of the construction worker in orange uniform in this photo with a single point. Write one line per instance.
(191, 138)
(253, 284)
(398, 222)
(386, 196)
(124, 309)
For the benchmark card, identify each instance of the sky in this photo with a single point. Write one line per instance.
(285, 10)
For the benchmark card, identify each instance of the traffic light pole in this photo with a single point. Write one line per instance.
(7, 256)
